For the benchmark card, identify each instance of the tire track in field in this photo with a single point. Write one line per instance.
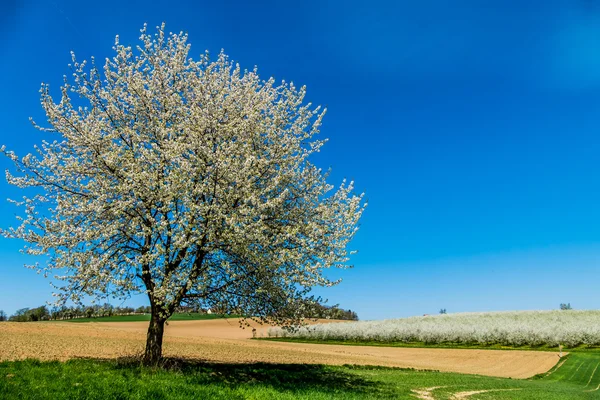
(591, 376)
(593, 390)
(573, 374)
(467, 394)
(560, 364)
(425, 393)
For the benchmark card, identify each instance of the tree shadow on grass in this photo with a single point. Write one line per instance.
(284, 377)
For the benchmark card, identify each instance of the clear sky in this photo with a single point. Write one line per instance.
(473, 127)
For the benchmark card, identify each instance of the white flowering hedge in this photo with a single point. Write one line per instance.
(517, 328)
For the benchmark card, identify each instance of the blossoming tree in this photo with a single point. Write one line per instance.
(189, 181)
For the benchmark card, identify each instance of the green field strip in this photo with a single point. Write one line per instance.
(552, 370)
(587, 374)
(579, 375)
(579, 364)
(580, 370)
(117, 380)
(592, 375)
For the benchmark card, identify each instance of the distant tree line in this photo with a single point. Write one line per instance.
(333, 312)
(43, 313)
(62, 313)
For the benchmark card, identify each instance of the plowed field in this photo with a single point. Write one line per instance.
(224, 341)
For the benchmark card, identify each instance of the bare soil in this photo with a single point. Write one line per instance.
(223, 341)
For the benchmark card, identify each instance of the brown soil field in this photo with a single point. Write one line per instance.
(223, 341)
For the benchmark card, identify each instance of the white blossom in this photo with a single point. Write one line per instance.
(514, 328)
(190, 181)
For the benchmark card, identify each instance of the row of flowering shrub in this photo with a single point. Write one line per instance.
(518, 328)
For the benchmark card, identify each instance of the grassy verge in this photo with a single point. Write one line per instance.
(428, 345)
(146, 317)
(97, 379)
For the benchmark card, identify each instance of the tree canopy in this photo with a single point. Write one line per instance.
(190, 181)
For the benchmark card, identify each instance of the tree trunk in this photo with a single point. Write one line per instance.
(153, 352)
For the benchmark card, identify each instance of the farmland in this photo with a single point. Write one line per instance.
(216, 359)
(123, 378)
(532, 329)
(223, 341)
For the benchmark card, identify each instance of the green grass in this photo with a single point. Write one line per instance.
(120, 379)
(146, 317)
(581, 369)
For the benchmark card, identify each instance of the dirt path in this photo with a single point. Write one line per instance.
(224, 341)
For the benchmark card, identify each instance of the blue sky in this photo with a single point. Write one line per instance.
(472, 126)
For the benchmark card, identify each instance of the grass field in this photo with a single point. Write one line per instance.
(577, 378)
(146, 317)
(580, 369)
